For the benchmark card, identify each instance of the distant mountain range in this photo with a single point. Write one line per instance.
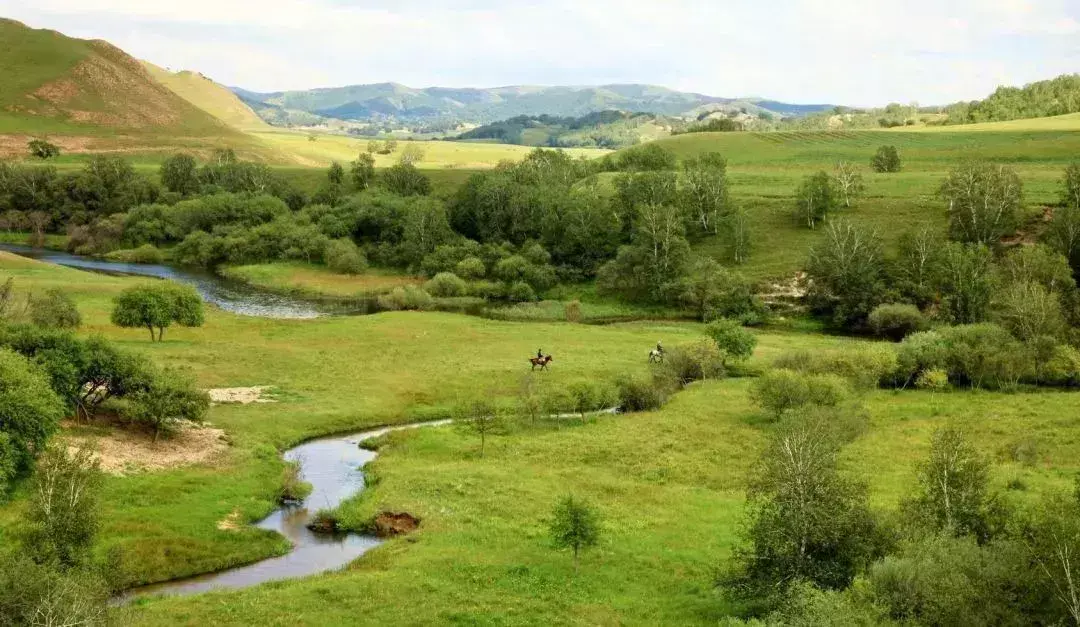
(381, 101)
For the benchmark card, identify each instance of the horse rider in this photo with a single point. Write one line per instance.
(659, 348)
(539, 354)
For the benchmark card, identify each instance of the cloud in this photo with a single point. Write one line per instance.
(847, 51)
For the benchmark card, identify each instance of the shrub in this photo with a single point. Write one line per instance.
(642, 393)
(521, 292)
(170, 399)
(919, 352)
(780, 391)
(147, 253)
(933, 380)
(471, 268)
(408, 298)
(573, 311)
(1063, 368)
(864, 368)
(293, 488)
(575, 525)
(54, 310)
(887, 159)
(985, 355)
(589, 396)
(446, 284)
(693, 362)
(896, 321)
(343, 256)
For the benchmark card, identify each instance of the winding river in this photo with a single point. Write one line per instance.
(333, 468)
(331, 465)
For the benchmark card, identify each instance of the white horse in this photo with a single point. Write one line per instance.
(656, 356)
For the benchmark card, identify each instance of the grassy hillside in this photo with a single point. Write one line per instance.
(766, 168)
(90, 96)
(209, 96)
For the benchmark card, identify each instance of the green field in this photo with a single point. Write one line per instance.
(669, 483)
(765, 169)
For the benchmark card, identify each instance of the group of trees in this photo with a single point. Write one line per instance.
(820, 194)
(956, 552)
(1057, 96)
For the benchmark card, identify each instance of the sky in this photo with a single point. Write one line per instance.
(853, 52)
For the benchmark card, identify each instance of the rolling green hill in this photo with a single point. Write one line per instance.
(209, 96)
(89, 95)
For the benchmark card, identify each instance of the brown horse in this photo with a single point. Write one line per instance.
(541, 361)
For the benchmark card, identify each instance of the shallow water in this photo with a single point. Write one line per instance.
(333, 468)
(232, 296)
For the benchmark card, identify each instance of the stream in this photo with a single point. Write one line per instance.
(232, 296)
(333, 468)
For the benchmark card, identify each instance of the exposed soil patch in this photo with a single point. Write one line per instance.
(123, 452)
(389, 524)
(244, 396)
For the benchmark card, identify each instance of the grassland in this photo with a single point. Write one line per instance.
(317, 281)
(669, 483)
(766, 168)
(320, 150)
(209, 96)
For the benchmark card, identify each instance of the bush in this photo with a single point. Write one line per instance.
(919, 352)
(170, 399)
(887, 159)
(30, 412)
(933, 380)
(446, 284)
(408, 298)
(896, 321)
(864, 368)
(471, 268)
(693, 362)
(573, 311)
(1063, 368)
(54, 310)
(641, 393)
(521, 292)
(343, 256)
(158, 306)
(781, 391)
(147, 253)
(985, 355)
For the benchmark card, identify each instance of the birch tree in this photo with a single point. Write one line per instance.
(984, 202)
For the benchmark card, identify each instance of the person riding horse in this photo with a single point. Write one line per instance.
(659, 348)
(539, 354)
(657, 355)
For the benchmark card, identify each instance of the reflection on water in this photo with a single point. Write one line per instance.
(231, 296)
(333, 468)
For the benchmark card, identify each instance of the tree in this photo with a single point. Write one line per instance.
(54, 310)
(704, 192)
(158, 306)
(335, 174)
(953, 486)
(917, 266)
(404, 179)
(42, 149)
(30, 412)
(575, 525)
(849, 183)
(363, 171)
(815, 198)
(411, 154)
(651, 265)
(781, 392)
(343, 256)
(63, 513)
(588, 396)
(169, 399)
(806, 521)
(713, 291)
(966, 282)
(1063, 235)
(1054, 540)
(733, 340)
(1028, 310)
(180, 174)
(1070, 187)
(847, 270)
(739, 235)
(481, 417)
(887, 159)
(984, 201)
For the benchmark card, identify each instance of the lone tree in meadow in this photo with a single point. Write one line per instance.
(481, 417)
(575, 525)
(42, 149)
(158, 306)
(815, 198)
(363, 170)
(849, 183)
(733, 340)
(887, 159)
